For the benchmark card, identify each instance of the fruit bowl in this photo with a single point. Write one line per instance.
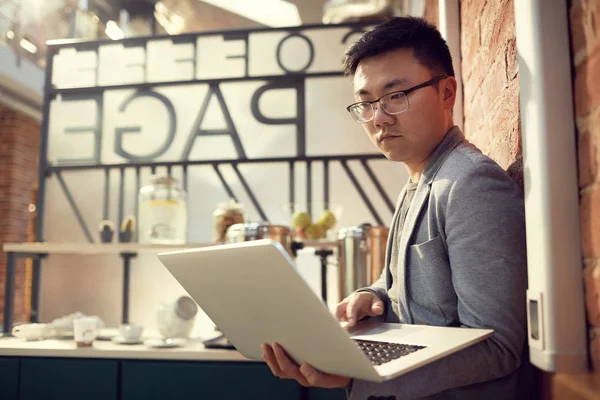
(319, 224)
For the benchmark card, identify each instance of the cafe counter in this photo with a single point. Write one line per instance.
(57, 369)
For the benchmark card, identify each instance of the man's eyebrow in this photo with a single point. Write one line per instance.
(393, 83)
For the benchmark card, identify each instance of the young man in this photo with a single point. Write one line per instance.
(456, 252)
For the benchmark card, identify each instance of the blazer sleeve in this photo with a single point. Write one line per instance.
(485, 236)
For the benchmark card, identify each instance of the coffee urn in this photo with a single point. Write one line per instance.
(244, 232)
(361, 256)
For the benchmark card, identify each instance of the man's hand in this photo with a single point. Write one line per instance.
(357, 306)
(283, 367)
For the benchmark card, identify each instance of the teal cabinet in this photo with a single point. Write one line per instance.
(68, 379)
(151, 380)
(39, 378)
(327, 394)
(9, 378)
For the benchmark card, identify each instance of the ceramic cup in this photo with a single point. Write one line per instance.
(131, 331)
(31, 331)
(176, 320)
(85, 330)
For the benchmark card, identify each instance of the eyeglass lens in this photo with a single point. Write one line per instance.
(393, 103)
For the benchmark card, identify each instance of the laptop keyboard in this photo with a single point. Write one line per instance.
(382, 352)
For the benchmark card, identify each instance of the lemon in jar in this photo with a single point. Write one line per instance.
(327, 219)
(301, 219)
(314, 231)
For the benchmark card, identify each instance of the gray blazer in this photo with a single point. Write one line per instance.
(462, 262)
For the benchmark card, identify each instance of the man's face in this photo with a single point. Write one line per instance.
(409, 137)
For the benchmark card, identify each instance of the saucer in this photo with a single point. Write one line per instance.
(122, 340)
(107, 334)
(165, 343)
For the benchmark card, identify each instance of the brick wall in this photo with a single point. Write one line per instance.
(585, 41)
(491, 78)
(19, 147)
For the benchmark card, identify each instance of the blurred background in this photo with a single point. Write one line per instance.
(25, 25)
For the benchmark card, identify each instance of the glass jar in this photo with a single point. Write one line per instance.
(163, 213)
(225, 215)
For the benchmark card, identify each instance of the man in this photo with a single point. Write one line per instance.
(456, 249)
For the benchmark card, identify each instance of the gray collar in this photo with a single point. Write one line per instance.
(453, 138)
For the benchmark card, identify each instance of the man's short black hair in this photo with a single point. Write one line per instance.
(426, 42)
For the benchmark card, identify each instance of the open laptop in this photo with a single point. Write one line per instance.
(254, 295)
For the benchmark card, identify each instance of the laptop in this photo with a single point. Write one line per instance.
(253, 293)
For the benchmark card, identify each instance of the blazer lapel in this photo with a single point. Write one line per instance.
(419, 200)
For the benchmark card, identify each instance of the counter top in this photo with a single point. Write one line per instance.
(192, 350)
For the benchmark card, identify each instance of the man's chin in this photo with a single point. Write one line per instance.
(394, 156)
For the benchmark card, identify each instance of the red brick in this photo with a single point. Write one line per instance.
(470, 41)
(591, 275)
(595, 352)
(494, 83)
(505, 110)
(502, 30)
(588, 159)
(19, 144)
(584, 22)
(587, 82)
(590, 223)
(512, 59)
(490, 16)
(576, 25)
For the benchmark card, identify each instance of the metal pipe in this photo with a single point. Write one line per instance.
(555, 301)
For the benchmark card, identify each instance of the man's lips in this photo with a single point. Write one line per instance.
(385, 138)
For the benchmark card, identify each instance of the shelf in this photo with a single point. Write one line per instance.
(94, 248)
(118, 248)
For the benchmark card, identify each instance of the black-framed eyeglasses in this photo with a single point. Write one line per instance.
(392, 103)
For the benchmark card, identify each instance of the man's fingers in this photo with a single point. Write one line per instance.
(322, 379)
(340, 311)
(352, 310)
(376, 307)
(269, 356)
(358, 307)
(287, 366)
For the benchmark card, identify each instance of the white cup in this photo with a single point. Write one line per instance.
(31, 331)
(131, 331)
(85, 330)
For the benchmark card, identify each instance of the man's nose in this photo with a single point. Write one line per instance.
(380, 117)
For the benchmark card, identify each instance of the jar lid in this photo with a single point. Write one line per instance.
(359, 232)
(162, 180)
(230, 205)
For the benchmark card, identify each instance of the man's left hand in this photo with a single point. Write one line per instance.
(283, 367)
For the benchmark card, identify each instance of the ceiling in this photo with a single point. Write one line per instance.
(37, 21)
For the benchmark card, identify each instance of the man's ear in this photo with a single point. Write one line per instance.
(449, 91)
